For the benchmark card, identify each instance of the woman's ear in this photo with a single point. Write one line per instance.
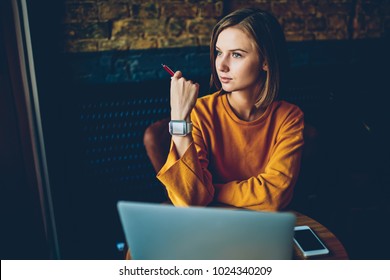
(265, 66)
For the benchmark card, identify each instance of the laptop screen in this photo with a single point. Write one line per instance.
(156, 231)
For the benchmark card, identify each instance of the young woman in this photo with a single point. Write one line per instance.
(238, 146)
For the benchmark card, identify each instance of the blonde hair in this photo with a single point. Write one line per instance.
(270, 42)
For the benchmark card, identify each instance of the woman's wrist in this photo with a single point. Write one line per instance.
(180, 117)
(182, 143)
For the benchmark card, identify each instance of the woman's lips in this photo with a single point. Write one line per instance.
(225, 79)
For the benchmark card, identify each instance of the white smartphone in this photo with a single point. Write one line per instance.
(308, 242)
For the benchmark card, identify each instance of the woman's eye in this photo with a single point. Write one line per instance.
(218, 53)
(236, 55)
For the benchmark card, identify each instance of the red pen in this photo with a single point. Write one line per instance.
(169, 70)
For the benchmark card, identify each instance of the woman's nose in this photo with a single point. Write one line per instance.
(222, 64)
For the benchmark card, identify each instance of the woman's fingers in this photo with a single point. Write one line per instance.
(178, 75)
(183, 96)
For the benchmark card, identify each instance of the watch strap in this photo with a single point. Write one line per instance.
(180, 127)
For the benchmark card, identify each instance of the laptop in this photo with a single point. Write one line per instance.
(158, 232)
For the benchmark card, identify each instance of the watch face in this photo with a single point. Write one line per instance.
(178, 128)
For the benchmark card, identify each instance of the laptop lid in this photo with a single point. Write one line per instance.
(157, 231)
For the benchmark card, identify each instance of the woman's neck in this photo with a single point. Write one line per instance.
(243, 105)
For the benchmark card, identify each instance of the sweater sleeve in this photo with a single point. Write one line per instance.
(272, 189)
(187, 180)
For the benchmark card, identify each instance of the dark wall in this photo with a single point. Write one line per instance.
(22, 235)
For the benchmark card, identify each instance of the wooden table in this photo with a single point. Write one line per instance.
(336, 249)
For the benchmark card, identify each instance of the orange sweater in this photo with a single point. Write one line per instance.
(244, 164)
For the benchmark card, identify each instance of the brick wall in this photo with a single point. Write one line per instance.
(102, 25)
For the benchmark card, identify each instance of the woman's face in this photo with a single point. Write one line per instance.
(237, 61)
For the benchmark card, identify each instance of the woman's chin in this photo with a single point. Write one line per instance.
(227, 88)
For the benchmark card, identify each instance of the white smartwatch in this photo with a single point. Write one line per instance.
(180, 128)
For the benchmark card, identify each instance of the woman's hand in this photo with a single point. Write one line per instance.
(183, 97)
